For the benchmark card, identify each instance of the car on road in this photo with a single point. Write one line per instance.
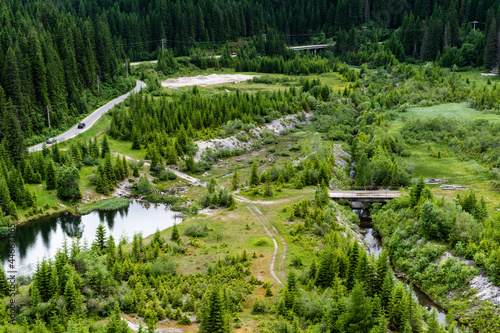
(81, 125)
(50, 141)
(233, 54)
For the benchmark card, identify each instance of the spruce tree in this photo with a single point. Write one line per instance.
(433, 323)
(71, 296)
(358, 315)
(4, 196)
(100, 238)
(136, 145)
(235, 179)
(135, 172)
(50, 177)
(176, 237)
(215, 316)
(491, 47)
(254, 177)
(105, 147)
(4, 284)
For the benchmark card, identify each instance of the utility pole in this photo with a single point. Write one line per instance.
(163, 44)
(475, 22)
(265, 37)
(126, 65)
(97, 84)
(48, 113)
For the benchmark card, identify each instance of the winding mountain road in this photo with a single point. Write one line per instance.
(92, 118)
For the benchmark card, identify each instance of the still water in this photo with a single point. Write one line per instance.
(42, 237)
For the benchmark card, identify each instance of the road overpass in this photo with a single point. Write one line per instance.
(312, 48)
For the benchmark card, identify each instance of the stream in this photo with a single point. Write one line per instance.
(42, 237)
(375, 247)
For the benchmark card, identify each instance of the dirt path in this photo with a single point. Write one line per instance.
(263, 220)
(179, 174)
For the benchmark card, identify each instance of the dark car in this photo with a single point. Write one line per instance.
(50, 140)
(81, 125)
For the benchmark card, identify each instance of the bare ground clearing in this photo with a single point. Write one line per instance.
(205, 80)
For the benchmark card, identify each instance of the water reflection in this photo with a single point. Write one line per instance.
(42, 238)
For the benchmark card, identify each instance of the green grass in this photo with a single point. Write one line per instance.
(458, 111)
(111, 204)
(466, 172)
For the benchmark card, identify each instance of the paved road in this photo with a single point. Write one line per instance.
(92, 118)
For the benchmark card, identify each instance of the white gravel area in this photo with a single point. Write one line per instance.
(205, 80)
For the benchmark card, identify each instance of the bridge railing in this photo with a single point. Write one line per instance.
(369, 188)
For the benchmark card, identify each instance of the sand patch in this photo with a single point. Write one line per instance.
(207, 80)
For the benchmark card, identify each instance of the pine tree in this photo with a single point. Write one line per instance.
(215, 316)
(4, 284)
(71, 296)
(136, 144)
(433, 323)
(235, 179)
(105, 150)
(42, 280)
(491, 47)
(135, 172)
(4, 196)
(176, 237)
(358, 315)
(50, 177)
(254, 177)
(100, 238)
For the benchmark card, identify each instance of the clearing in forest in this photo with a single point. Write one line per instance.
(202, 80)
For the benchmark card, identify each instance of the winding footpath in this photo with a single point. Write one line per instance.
(92, 118)
(263, 220)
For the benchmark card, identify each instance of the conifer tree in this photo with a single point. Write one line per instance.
(254, 177)
(235, 179)
(4, 196)
(105, 150)
(50, 177)
(71, 296)
(126, 171)
(491, 48)
(176, 237)
(4, 284)
(358, 315)
(42, 280)
(433, 323)
(100, 238)
(135, 172)
(136, 144)
(215, 315)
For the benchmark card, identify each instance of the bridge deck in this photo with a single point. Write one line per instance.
(309, 47)
(367, 196)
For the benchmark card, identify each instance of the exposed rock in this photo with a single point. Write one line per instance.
(454, 187)
(486, 290)
(231, 143)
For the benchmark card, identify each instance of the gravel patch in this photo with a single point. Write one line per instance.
(207, 80)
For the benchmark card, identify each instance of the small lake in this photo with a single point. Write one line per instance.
(42, 237)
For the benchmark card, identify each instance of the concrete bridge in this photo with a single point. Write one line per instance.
(364, 196)
(312, 48)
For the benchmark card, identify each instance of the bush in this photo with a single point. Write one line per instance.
(259, 307)
(143, 185)
(197, 230)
